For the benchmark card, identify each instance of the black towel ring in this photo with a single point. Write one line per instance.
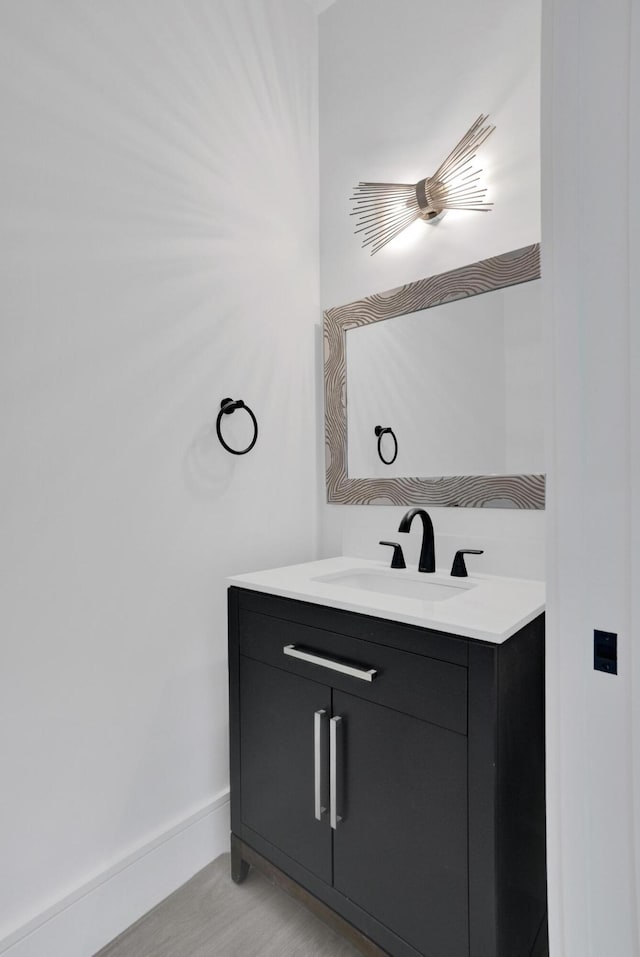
(379, 431)
(227, 407)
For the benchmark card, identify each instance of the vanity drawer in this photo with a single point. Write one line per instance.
(427, 688)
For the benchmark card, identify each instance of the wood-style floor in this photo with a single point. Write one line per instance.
(213, 917)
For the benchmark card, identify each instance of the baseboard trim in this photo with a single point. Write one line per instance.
(84, 921)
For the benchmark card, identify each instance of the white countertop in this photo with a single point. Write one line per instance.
(485, 607)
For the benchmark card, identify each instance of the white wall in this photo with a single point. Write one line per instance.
(590, 105)
(158, 186)
(399, 84)
(634, 422)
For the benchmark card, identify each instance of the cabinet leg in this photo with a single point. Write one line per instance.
(239, 867)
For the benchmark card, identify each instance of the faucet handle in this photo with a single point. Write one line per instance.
(459, 569)
(398, 558)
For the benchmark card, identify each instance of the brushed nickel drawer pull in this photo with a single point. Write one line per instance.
(364, 674)
(335, 728)
(318, 719)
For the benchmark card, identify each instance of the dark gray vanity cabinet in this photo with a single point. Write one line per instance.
(400, 851)
(277, 767)
(432, 768)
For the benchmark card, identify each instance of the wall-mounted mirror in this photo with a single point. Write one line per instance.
(453, 365)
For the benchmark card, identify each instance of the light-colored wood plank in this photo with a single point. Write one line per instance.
(210, 916)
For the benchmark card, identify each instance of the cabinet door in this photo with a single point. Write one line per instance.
(400, 850)
(278, 775)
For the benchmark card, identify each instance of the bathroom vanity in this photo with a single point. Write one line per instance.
(387, 753)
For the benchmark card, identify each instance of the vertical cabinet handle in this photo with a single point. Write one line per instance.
(335, 735)
(318, 795)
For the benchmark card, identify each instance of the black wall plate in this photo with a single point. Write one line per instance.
(605, 652)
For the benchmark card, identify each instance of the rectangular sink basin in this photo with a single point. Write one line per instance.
(399, 583)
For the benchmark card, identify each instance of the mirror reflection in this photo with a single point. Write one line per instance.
(459, 384)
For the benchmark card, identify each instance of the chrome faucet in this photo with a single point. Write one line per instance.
(427, 561)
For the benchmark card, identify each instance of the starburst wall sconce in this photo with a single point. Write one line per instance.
(384, 210)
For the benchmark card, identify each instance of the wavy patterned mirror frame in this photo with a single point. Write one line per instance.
(468, 491)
